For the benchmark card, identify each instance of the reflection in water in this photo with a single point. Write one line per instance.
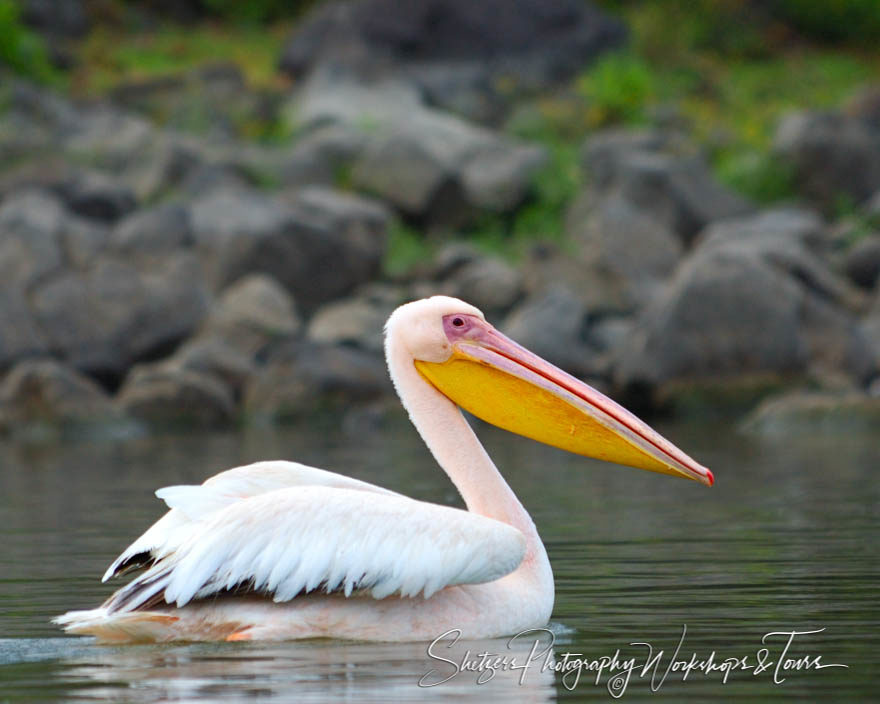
(788, 538)
(307, 671)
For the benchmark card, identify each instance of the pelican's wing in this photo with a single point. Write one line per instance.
(291, 541)
(192, 503)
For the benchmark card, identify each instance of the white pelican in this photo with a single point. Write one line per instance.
(278, 550)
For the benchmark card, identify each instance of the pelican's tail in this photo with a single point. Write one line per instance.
(119, 626)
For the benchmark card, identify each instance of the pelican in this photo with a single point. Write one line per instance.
(278, 551)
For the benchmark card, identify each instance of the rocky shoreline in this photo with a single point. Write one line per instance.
(155, 278)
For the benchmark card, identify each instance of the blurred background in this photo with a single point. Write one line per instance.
(208, 208)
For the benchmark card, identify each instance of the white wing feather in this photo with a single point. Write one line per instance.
(189, 504)
(294, 540)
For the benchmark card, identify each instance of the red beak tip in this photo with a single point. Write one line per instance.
(710, 477)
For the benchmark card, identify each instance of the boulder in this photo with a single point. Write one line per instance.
(428, 164)
(252, 313)
(19, 335)
(664, 179)
(168, 395)
(489, 283)
(862, 262)
(43, 393)
(832, 155)
(624, 255)
(323, 156)
(531, 42)
(31, 223)
(713, 319)
(748, 277)
(96, 195)
(301, 378)
(553, 324)
(115, 313)
(815, 412)
(357, 321)
(157, 230)
(319, 247)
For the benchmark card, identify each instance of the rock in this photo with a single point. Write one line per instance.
(356, 227)
(217, 357)
(323, 156)
(44, 393)
(815, 412)
(106, 318)
(832, 155)
(552, 324)
(787, 238)
(319, 247)
(300, 378)
(532, 42)
(426, 163)
(98, 196)
(56, 18)
(747, 277)
(661, 180)
(624, 254)
(161, 229)
(252, 313)
(19, 335)
(169, 396)
(490, 284)
(30, 238)
(862, 262)
(355, 321)
(712, 319)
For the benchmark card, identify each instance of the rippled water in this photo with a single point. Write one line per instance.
(786, 540)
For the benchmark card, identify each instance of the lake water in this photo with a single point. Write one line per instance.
(785, 541)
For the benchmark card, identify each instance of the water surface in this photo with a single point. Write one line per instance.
(786, 540)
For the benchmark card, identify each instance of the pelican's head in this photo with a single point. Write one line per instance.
(494, 378)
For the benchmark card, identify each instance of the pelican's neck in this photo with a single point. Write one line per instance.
(457, 449)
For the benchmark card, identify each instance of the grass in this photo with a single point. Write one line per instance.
(104, 61)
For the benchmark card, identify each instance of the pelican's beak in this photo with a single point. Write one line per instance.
(493, 377)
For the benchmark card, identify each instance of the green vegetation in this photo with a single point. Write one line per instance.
(104, 61)
(21, 49)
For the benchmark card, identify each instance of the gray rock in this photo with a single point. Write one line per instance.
(743, 281)
(106, 318)
(43, 392)
(323, 156)
(302, 378)
(354, 321)
(319, 247)
(532, 42)
(170, 396)
(30, 230)
(424, 162)
(218, 357)
(629, 252)
(159, 230)
(662, 179)
(715, 318)
(490, 284)
(553, 324)
(357, 229)
(862, 262)
(252, 313)
(19, 335)
(98, 196)
(788, 239)
(832, 155)
(812, 412)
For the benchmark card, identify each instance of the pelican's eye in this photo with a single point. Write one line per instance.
(458, 322)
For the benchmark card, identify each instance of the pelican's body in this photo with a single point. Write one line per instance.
(277, 550)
